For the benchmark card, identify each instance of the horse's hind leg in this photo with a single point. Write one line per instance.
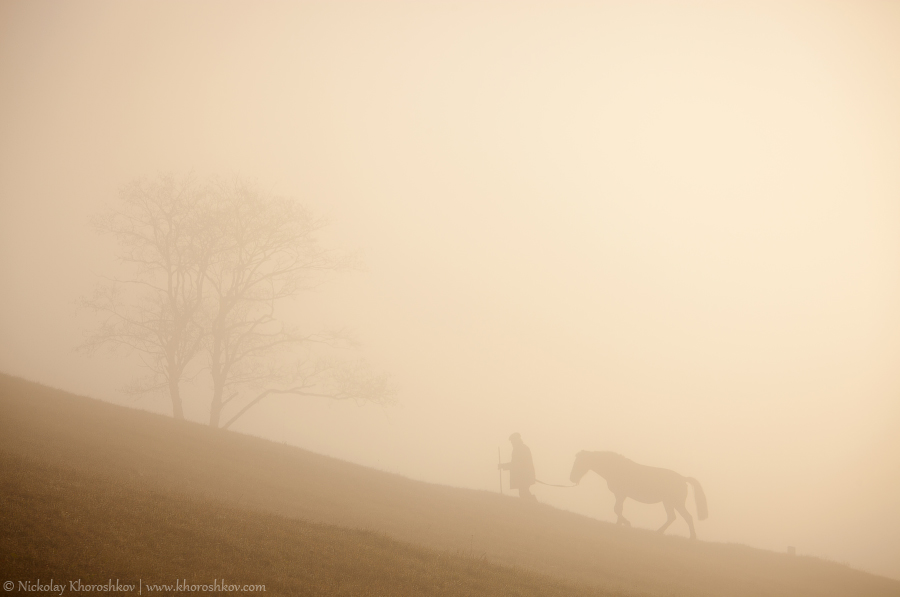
(670, 512)
(687, 518)
(620, 501)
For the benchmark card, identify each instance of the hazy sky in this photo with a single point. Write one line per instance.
(668, 229)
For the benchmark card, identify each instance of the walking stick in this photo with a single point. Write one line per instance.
(500, 470)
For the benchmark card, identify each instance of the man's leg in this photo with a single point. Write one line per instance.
(525, 493)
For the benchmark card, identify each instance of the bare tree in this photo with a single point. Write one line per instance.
(270, 253)
(207, 269)
(154, 309)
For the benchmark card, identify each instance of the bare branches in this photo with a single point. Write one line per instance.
(336, 381)
(203, 269)
(164, 249)
(269, 253)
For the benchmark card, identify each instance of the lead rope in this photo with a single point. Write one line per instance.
(552, 485)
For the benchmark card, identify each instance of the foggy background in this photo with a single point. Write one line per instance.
(670, 230)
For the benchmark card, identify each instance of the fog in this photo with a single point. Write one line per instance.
(669, 230)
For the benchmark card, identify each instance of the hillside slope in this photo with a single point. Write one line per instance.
(154, 453)
(74, 526)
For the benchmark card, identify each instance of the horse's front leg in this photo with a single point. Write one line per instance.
(620, 501)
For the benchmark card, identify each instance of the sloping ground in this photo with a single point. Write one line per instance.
(154, 453)
(69, 526)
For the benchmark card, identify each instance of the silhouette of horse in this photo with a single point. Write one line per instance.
(646, 484)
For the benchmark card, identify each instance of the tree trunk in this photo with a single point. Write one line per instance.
(175, 394)
(215, 408)
(217, 368)
(219, 376)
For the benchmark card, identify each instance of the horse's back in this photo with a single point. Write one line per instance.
(651, 484)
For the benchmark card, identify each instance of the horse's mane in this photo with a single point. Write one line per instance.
(615, 455)
(613, 459)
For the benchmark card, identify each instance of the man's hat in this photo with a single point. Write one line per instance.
(515, 437)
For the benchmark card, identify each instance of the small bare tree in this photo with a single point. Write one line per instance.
(154, 309)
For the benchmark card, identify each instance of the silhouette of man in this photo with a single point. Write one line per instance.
(520, 467)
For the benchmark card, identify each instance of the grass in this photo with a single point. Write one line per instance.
(64, 525)
(182, 500)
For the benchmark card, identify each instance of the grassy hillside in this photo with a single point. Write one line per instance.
(65, 525)
(171, 473)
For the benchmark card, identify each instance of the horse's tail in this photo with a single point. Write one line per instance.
(699, 498)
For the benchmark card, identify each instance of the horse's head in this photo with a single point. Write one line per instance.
(579, 468)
